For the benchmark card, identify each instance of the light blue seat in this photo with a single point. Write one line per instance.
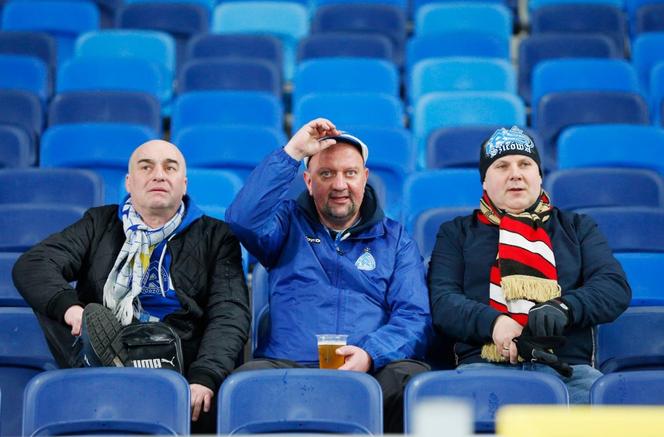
(646, 53)
(64, 20)
(643, 271)
(461, 74)
(298, 400)
(213, 190)
(556, 75)
(344, 75)
(464, 108)
(226, 108)
(607, 186)
(55, 186)
(431, 189)
(633, 341)
(103, 148)
(428, 222)
(350, 109)
(9, 296)
(229, 75)
(107, 400)
(477, 17)
(630, 228)
(611, 146)
(23, 354)
(27, 224)
(17, 148)
(485, 390)
(289, 21)
(237, 149)
(639, 387)
(25, 73)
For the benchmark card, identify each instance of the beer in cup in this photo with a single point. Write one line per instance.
(327, 348)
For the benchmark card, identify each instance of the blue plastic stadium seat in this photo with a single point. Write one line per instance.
(229, 75)
(646, 53)
(611, 146)
(428, 222)
(656, 97)
(345, 75)
(298, 400)
(649, 18)
(27, 224)
(23, 354)
(630, 228)
(64, 20)
(106, 107)
(582, 18)
(226, 108)
(23, 110)
(633, 341)
(207, 4)
(17, 149)
(364, 18)
(540, 47)
(486, 390)
(103, 148)
(213, 190)
(233, 148)
(105, 400)
(427, 189)
(339, 44)
(260, 307)
(643, 273)
(536, 4)
(55, 186)
(9, 297)
(24, 72)
(38, 44)
(402, 4)
(644, 387)
(598, 187)
(477, 17)
(557, 111)
(349, 109)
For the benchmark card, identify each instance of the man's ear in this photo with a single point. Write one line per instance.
(307, 181)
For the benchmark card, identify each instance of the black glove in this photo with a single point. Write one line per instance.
(539, 350)
(548, 318)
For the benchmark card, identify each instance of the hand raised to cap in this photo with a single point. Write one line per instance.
(306, 142)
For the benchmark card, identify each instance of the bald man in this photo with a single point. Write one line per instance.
(154, 258)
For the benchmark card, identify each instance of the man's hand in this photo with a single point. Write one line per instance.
(305, 141)
(74, 318)
(201, 396)
(356, 359)
(504, 331)
(548, 318)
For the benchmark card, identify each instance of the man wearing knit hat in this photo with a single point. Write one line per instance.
(519, 279)
(336, 264)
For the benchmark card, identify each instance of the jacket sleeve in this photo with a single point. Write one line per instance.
(43, 274)
(408, 330)
(603, 293)
(454, 314)
(260, 214)
(227, 316)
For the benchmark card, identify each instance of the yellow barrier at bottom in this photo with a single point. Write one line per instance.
(580, 421)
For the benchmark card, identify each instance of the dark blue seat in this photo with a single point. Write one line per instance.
(107, 400)
(540, 47)
(229, 75)
(643, 271)
(640, 387)
(106, 107)
(630, 228)
(9, 297)
(486, 390)
(260, 307)
(604, 19)
(38, 44)
(56, 186)
(23, 110)
(633, 341)
(649, 18)
(23, 354)
(597, 187)
(557, 111)
(364, 18)
(327, 45)
(298, 400)
(17, 148)
(428, 222)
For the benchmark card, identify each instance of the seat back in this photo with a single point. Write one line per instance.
(37, 44)
(9, 297)
(630, 228)
(230, 74)
(25, 72)
(24, 110)
(428, 222)
(107, 400)
(641, 387)
(298, 400)
(260, 307)
(339, 44)
(17, 149)
(646, 53)
(480, 17)
(642, 270)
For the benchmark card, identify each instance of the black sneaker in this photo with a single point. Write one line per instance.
(100, 328)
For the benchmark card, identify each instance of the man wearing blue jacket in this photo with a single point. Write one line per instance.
(520, 272)
(336, 264)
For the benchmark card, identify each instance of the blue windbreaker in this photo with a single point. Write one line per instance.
(368, 283)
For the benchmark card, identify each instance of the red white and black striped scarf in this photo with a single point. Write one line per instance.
(525, 269)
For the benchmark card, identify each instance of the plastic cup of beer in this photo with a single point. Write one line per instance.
(327, 348)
